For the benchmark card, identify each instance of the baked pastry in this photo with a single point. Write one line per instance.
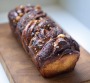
(52, 50)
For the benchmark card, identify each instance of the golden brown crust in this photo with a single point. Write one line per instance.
(60, 65)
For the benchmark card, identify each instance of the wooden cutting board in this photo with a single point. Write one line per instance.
(20, 69)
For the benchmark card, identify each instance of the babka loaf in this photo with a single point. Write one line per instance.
(51, 49)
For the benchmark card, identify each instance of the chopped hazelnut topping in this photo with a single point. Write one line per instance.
(41, 18)
(37, 33)
(38, 7)
(35, 21)
(48, 25)
(17, 18)
(61, 36)
(40, 40)
(40, 45)
(57, 46)
(21, 14)
(35, 48)
(22, 7)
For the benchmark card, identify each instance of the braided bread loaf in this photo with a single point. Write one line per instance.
(52, 50)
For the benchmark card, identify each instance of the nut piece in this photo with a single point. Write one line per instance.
(38, 7)
(41, 18)
(55, 44)
(17, 18)
(21, 14)
(37, 33)
(35, 21)
(61, 36)
(21, 6)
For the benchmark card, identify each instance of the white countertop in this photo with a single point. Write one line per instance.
(69, 23)
(3, 77)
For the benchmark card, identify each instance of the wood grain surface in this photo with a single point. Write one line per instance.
(20, 69)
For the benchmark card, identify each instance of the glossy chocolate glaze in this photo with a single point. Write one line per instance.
(41, 35)
(14, 17)
(18, 12)
(56, 47)
(39, 29)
